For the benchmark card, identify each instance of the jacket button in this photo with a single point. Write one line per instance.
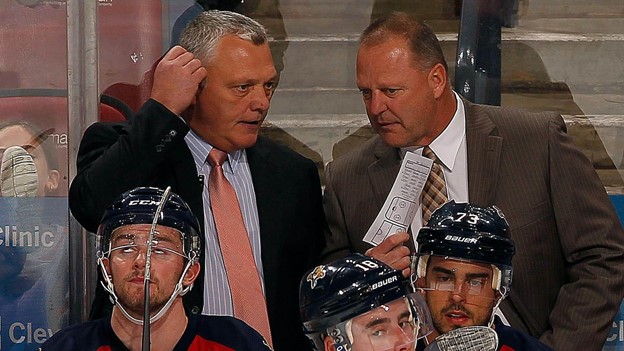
(195, 310)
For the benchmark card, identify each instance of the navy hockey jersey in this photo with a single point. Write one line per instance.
(203, 333)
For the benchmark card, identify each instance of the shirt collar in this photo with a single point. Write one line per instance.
(200, 150)
(446, 145)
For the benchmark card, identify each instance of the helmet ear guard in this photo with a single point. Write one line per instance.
(421, 267)
(501, 279)
(496, 278)
(506, 280)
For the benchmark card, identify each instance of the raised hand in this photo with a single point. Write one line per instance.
(393, 252)
(176, 79)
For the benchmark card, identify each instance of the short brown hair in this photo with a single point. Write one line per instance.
(422, 40)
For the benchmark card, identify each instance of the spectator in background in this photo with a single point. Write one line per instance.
(34, 275)
(221, 81)
(560, 217)
(38, 152)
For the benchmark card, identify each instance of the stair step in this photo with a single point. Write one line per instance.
(604, 24)
(356, 120)
(319, 100)
(571, 9)
(324, 137)
(329, 61)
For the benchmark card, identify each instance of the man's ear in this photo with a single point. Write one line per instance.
(329, 344)
(187, 114)
(438, 80)
(191, 274)
(53, 181)
(200, 88)
(106, 263)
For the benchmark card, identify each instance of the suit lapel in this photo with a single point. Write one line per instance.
(384, 169)
(259, 166)
(262, 176)
(483, 149)
(187, 181)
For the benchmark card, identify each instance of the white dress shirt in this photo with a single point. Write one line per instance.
(450, 148)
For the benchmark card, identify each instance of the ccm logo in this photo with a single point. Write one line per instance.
(460, 239)
(143, 202)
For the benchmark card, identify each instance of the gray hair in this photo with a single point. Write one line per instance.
(202, 34)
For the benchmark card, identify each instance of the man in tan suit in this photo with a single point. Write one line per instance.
(569, 278)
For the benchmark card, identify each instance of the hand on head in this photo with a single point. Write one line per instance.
(176, 79)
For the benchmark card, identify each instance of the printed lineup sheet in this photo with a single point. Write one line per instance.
(401, 206)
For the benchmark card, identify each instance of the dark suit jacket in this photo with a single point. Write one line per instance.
(150, 150)
(569, 263)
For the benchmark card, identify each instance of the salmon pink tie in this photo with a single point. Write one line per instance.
(242, 273)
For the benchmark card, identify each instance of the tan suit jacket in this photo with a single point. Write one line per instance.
(569, 267)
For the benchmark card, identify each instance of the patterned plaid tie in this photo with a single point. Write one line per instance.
(434, 191)
(242, 273)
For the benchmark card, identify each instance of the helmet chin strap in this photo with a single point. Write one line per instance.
(503, 292)
(179, 290)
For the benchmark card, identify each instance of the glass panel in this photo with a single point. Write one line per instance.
(34, 278)
(562, 58)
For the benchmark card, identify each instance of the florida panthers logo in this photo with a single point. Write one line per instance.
(315, 275)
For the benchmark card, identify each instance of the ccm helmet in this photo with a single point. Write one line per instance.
(140, 206)
(468, 232)
(334, 296)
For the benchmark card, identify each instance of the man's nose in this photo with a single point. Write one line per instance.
(403, 341)
(140, 259)
(261, 99)
(458, 294)
(377, 103)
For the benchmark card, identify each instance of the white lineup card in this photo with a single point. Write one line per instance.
(400, 207)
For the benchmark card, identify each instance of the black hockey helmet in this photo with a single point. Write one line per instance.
(468, 232)
(138, 206)
(334, 293)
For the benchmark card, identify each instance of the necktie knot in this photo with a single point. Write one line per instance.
(428, 153)
(216, 157)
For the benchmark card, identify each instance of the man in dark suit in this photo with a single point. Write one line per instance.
(569, 278)
(220, 81)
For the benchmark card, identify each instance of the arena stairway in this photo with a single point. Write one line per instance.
(560, 55)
